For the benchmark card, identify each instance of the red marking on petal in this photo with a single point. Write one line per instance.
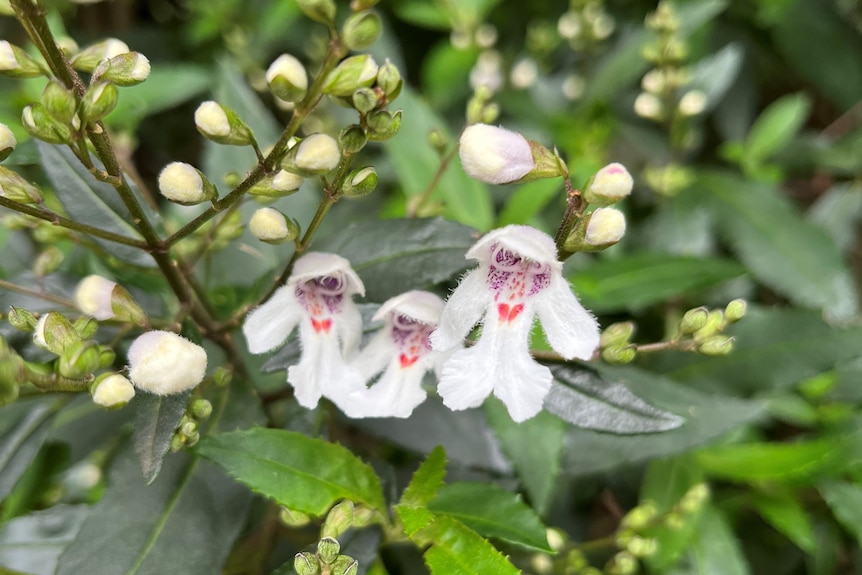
(503, 312)
(513, 313)
(507, 314)
(321, 326)
(407, 360)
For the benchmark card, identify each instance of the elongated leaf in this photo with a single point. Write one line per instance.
(779, 247)
(784, 512)
(716, 73)
(393, 256)
(300, 472)
(33, 544)
(89, 201)
(415, 161)
(166, 87)
(492, 511)
(156, 419)
(845, 500)
(636, 281)
(716, 550)
(534, 447)
(457, 550)
(24, 425)
(837, 212)
(585, 399)
(426, 480)
(776, 126)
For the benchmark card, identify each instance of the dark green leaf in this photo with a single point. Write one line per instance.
(845, 500)
(41, 476)
(534, 447)
(583, 398)
(775, 127)
(86, 427)
(426, 480)
(717, 551)
(24, 425)
(393, 256)
(300, 472)
(779, 247)
(415, 161)
(824, 560)
(91, 202)
(156, 419)
(785, 512)
(33, 543)
(457, 550)
(492, 511)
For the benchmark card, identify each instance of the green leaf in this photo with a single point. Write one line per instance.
(457, 550)
(583, 398)
(715, 74)
(393, 256)
(528, 200)
(637, 281)
(156, 419)
(24, 425)
(845, 500)
(303, 473)
(33, 543)
(492, 511)
(426, 480)
(534, 447)
(91, 202)
(838, 211)
(415, 162)
(779, 247)
(775, 127)
(717, 551)
(783, 511)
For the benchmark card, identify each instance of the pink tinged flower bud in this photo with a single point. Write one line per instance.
(610, 185)
(318, 153)
(93, 297)
(495, 155)
(164, 363)
(607, 226)
(113, 391)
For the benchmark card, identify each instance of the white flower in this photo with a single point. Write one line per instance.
(401, 353)
(164, 363)
(113, 391)
(93, 296)
(317, 298)
(518, 277)
(495, 155)
(607, 226)
(211, 119)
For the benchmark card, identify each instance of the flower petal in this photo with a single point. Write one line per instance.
(420, 305)
(467, 378)
(374, 356)
(322, 371)
(349, 327)
(396, 394)
(316, 264)
(268, 326)
(523, 386)
(526, 241)
(463, 310)
(569, 328)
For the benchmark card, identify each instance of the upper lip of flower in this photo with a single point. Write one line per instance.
(522, 240)
(318, 264)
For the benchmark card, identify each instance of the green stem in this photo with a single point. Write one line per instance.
(415, 207)
(48, 382)
(574, 209)
(37, 294)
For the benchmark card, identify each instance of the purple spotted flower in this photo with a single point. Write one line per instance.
(518, 277)
(318, 298)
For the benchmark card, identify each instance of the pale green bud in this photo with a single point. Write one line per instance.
(389, 80)
(7, 142)
(21, 319)
(383, 125)
(716, 345)
(112, 390)
(16, 63)
(642, 546)
(694, 320)
(438, 140)
(59, 102)
(617, 334)
(556, 539)
(177, 443)
(363, 516)
(328, 550)
(316, 154)
(735, 310)
(107, 356)
(90, 57)
(350, 75)
(41, 125)
(188, 428)
(222, 125)
(664, 19)
(16, 188)
(48, 261)
(55, 333)
(654, 81)
(352, 139)
(606, 227)
(192, 439)
(490, 113)
(322, 11)
(202, 409)
(361, 30)
(623, 563)
(86, 327)
(271, 226)
(344, 565)
(360, 182)
(610, 185)
(287, 78)
(714, 324)
(641, 516)
(99, 101)
(620, 354)
(282, 184)
(364, 100)
(293, 518)
(694, 498)
(184, 184)
(79, 360)
(67, 46)
(222, 376)
(338, 520)
(306, 564)
(127, 69)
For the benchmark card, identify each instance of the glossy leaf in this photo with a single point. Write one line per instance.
(786, 513)
(492, 511)
(426, 481)
(845, 500)
(584, 399)
(534, 447)
(779, 247)
(156, 419)
(303, 473)
(33, 543)
(393, 256)
(24, 425)
(457, 550)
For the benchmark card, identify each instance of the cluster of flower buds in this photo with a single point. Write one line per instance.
(222, 125)
(585, 25)
(188, 431)
(327, 560)
(705, 327)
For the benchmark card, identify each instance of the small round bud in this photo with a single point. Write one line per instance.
(184, 184)
(21, 319)
(99, 101)
(188, 428)
(39, 122)
(316, 154)
(338, 520)
(107, 356)
(674, 521)
(306, 564)
(716, 345)
(344, 565)
(79, 360)
(641, 516)
(653, 82)
(293, 518)
(541, 563)
(365, 100)
(694, 498)
(222, 376)
(607, 226)
(642, 546)
(360, 182)
(692, 103)
(495, 155)
(93, 296)
(617, 334)
(350, 75)
(128, 69)
(620, 354)
(322, 11)
(623, 563)
(287, 78)
(649, 106)
(693, 320)
(524, 73)
(16, 188)
(59, 102)
(48, 261)
(389, 80)
(328, 550)
(86, 327)
(177, 443)
(271, 226)
(714, 324)
(438, 140)
(573, 87)
(16, 63)
(112, 391)
(361, 30)
(286, 182)
(610, 185)
(165, 363)
(55, 333)
(383, 125)
(735, 310)
(7, 142)
(90, 57)
(352, 139)
(202, 409)
(222, 125)
(556, 539)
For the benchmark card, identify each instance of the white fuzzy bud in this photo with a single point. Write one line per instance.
(610, 185)
(93, 296)
(141, 69)
(573, 87)
(7, 142)
(182, 183)
(269, 225)
(287, 78)
(8, 61)
(648, 106)
(211, 119)
(495, 155)
(284, 181)
(692, 103)
(569, 26)
(607, 226)
(524, 73)
(318, 153)
(113, 391)
(653, 82)
(164, 363)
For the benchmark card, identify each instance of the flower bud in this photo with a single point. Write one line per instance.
(693, 320)
(79, 360)
(338, 520)
(692, 103)
(202, 409)
(649, 106)
(363, 516)
(165, 363)
(192, 439)
(41, 125)
(495, 155)
(99, 101)
(344, 565)
(438, 140)
(55, 333)
(21, 319)
(610, 185)
(128, 69)
(364, 100)
(86, 327)
(59, 102)
(271, 226)
(694, 498)
(7, 142)
(327, 550)
(606, 227)
(653, 81)
(383, 125)
(617, 334)
(735, 310)
(389, 80)
(361, 30)
(358, 5)
(620, 354)
(184, 184)
(287, 78)
(360, 182)
(623, 563)
(352, 139)
(282, 184)
(641, 516)
(16, 188)
(316, 154)
(714, 324)
(642, 546)
(222, 125)
(48, 261)
(293, 518)
(350, 75)
(112, 390)
(306, 564)
(16, 63)
(90, 57)
(716, 345)
(322, 11)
